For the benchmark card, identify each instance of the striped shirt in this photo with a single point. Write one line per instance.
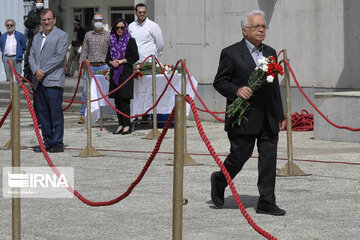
(95, 46)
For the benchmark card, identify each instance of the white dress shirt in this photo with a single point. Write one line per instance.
(43, 40)
(148, 38)
(10, 45)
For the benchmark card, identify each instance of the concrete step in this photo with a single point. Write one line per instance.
(69, 90)
(5, 94)
(4, 103)
(70, 85)
(342, 108)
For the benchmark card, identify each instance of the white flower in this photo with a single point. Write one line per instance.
(263, 61)
(270, 79)
(264, 67)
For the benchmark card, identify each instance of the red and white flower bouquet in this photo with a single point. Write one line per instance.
(265, 73)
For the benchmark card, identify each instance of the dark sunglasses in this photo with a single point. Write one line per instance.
(119, 28)
(9, 25)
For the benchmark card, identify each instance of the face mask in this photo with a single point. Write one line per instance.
(98, 25)
(39, 5)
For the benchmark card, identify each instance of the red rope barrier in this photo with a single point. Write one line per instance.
(312, 104)
(76, 89)
(17, 75)
(280, 53)
(114, 90)
(76, 193)
(114, 108)
(8, 110)
(225, 172)
(196, 93)
(302, 122)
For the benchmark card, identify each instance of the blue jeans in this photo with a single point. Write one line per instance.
(83, 98)
(16, 64)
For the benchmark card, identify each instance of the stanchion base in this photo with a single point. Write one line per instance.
(153, 134)
(188, 161)
(7, 146)
(89, 151)
(291, 169)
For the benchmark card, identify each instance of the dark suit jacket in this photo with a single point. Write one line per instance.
(236, 65)
(131, 55)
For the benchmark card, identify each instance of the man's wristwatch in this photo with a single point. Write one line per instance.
(125, 60)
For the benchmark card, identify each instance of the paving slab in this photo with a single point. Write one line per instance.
(324, 205)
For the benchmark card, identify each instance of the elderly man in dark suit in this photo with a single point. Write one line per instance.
(263, 120)
(47, 62)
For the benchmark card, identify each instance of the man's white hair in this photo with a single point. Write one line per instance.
(10, 20)
(245, 19)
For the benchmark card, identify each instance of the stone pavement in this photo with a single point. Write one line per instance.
(324, 205)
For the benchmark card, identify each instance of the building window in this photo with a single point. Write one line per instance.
(122, 12)
(85, 16)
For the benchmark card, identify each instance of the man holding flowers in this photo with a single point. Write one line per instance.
(247, 77)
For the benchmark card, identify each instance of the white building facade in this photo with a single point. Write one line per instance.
(322, 36)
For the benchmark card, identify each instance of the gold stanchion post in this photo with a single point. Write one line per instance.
(188, 159)
(290, 168)
(89, 150)
(15, 141)
(154, 133)
(179, 145)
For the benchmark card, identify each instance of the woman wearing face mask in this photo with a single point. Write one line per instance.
(122, 54)
(95, 46)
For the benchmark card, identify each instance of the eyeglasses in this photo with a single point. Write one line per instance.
(144, 12)
(120, 28)
(257, 27)
(9, 25)
(46, 19)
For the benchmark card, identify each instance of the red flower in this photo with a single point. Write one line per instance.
(138, 74)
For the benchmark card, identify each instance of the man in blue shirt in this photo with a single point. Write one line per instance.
(13, 46)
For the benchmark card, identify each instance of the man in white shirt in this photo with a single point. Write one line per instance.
(13, 46)
(147, 34)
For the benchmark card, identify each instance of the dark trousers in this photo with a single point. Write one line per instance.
(241, 149)
(123, 105)
(51, 115)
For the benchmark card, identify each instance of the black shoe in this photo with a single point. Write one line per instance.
(67, 75)
(271, 209)
(56, 149)
(37, 149)
(127, 132)
(217, 192)
(118, 132)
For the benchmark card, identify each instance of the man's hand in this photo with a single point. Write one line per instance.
(39, 75)
(244, 92)
(282, 125)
